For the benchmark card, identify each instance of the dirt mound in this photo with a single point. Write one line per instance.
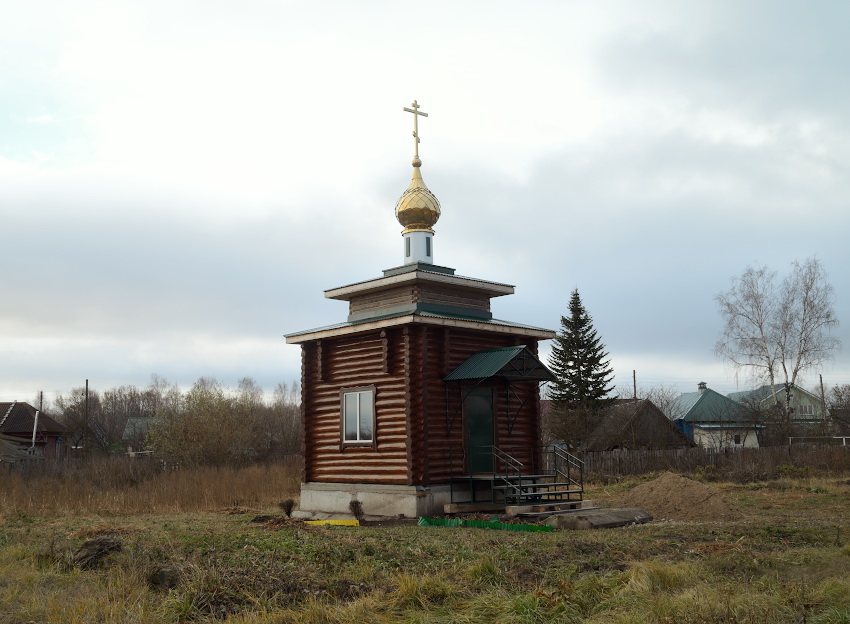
(677, 498)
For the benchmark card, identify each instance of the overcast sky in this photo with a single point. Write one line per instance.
(181, 180)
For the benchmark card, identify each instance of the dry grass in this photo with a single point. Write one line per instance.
(786, 561)
(129, 486)
(232, 570)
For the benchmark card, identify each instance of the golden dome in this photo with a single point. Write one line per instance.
(418, 208)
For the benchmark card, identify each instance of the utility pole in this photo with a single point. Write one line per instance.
(86, 421)
(634, 382)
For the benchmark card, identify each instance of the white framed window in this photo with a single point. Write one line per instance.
(806, 410)
(357, 416)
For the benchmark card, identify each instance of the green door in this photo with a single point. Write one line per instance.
(478, 419)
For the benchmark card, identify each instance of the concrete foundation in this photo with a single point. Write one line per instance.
(387, 501)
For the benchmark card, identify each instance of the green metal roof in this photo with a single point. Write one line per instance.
(507, 363)
(765, 392)
(707, 407)
(346, 324)
(757, 395)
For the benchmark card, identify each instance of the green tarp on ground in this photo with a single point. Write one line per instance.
(482, 524)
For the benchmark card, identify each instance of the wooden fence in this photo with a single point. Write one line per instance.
(745, 463)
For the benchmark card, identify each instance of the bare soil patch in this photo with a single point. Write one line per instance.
(673, 497)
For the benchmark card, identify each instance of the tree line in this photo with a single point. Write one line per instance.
(207, 424)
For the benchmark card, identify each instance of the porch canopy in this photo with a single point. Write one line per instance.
(508, 364)
(511, 368)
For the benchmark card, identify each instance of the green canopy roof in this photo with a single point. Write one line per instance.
(506, 364)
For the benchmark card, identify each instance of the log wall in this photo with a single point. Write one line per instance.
(419, 293)
(418, 432)
(329, 366)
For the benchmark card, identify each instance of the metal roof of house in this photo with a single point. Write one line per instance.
(765, 392)
(759, 394)
(707, 406)
(18, 417)
(508, 363)
(137, 426)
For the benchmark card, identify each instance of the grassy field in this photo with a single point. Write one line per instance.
(788, 560)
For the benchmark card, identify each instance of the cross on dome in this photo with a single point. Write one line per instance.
(418, 209)
(416, 114)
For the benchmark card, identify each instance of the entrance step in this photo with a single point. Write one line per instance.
(452, 508)
(540, 485)
(545, 509)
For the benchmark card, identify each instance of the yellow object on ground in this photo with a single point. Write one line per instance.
(335, 522)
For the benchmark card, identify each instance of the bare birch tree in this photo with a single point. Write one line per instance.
(839, 408)
(777, 330)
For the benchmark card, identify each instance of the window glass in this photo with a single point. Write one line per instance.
(350, 416)
(358, 415)
(365, 415)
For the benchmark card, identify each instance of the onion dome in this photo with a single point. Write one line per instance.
(418, 208)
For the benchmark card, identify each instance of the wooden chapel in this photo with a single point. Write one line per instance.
(420, 398)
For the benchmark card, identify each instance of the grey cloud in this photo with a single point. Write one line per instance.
(766, 58)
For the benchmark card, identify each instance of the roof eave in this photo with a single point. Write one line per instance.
(345, 293)
(499, 328)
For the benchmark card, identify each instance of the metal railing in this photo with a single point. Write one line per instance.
(513, 479)
(566, 466)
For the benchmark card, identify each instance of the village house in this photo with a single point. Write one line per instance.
(806, 408)
(635, 424)
(28, 432)
(713, 420)
(420, 398)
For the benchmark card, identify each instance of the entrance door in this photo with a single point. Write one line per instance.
(478, 422)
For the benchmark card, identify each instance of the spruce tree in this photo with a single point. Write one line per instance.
(580, 363)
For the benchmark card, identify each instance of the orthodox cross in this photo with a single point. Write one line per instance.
(416, 113)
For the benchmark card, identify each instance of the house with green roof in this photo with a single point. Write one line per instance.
(713, 420)
(806, 408)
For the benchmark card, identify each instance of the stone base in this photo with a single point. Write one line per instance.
(377, 501)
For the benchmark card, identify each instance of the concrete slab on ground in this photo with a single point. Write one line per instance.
(599, 519)
(573, 506)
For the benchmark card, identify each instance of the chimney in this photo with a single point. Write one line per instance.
(701, 387)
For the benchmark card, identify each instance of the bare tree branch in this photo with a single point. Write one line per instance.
(778, 332)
